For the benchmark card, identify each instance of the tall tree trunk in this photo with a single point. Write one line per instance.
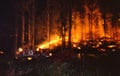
(23, 29)
(82, 24)
(104, 24)
(63, 23)
(16, 36)
(33, 24)
(70, 23)
(29, 33)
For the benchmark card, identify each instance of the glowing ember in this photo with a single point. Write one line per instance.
(79, 55)
(1, 52)
(20, 49)
(79, 48)
(111, 46)
(29, 58)
(50, 54)
(17, 53)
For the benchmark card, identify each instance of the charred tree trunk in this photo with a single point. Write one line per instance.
(33, 25)
(70, 23)
(82, 26)
(63, 23)
(104, 24)
(23, 30)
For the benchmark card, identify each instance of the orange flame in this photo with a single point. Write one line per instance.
(54, 42)
(80, 30)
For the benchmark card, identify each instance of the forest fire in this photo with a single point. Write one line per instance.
(56, 42)
(67, 38)
(62, 23)
(85, 28)
(80, 31)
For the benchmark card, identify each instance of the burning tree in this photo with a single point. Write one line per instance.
(62, 22)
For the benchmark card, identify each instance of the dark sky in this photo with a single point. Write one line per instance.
(7, 17)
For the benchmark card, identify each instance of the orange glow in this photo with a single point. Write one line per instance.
(119, 19)
(74, 45)
(79, 55)
(46, 30)
(100, 43)
(57, 41)
(29, 58)
(50, 54)
(37, 49)
(51, 43)
(103, 50)
(20, 49)
(80, 29)
(111, 46)
(1, 52)
(79, 47)
(83, 29)
(17, 52)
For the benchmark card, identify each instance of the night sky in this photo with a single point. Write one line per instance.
(7, 21)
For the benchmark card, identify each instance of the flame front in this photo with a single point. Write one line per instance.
(50, 43)
(83, 28)
(80, 31)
